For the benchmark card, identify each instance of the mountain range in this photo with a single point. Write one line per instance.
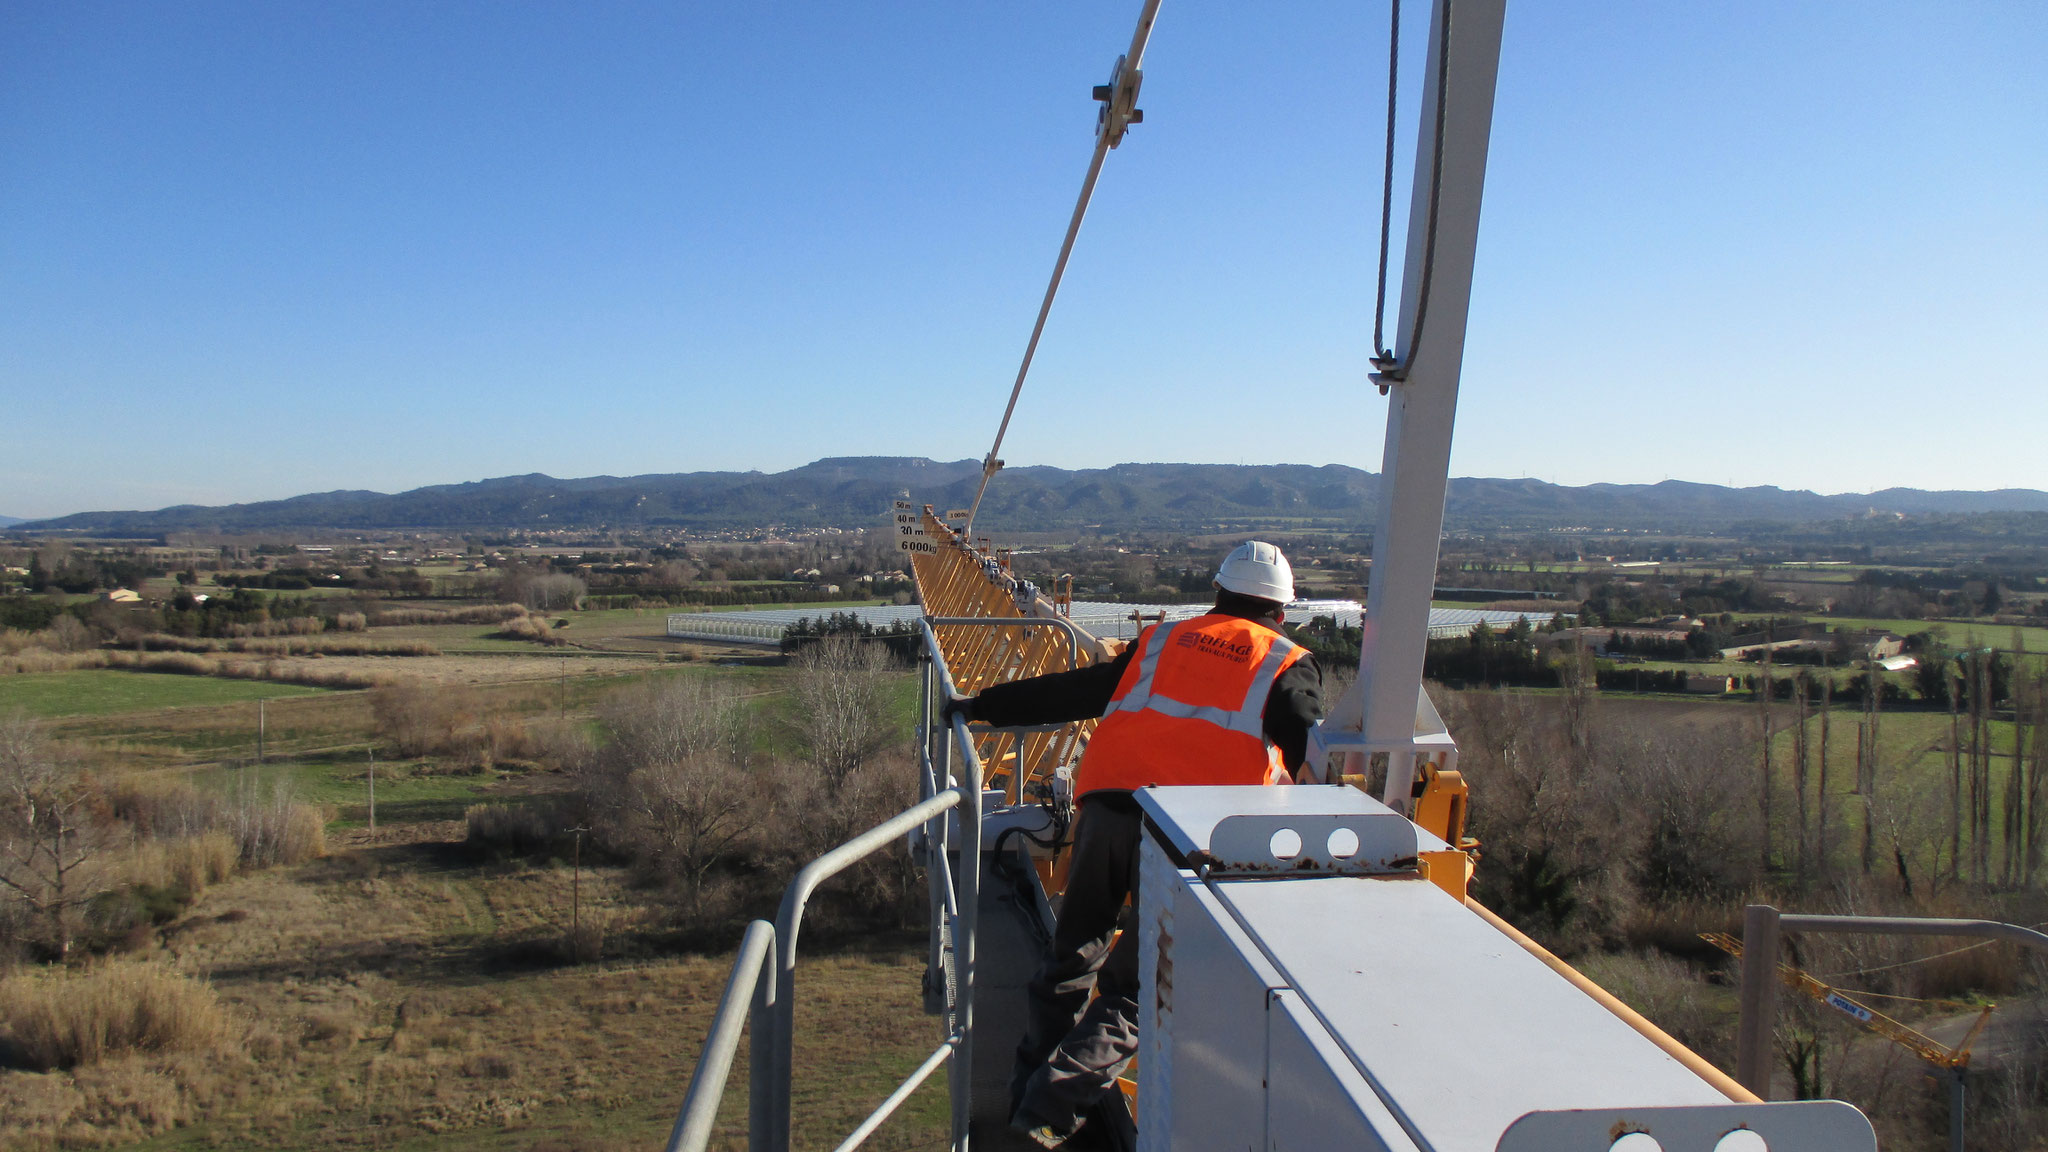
(854, 491)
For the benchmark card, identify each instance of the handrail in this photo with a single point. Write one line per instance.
(1073, 634)
(781, 1052)
(1913, 926)
(774, 1015)
(707, 1084)
(1762, 926)
(888, 1107)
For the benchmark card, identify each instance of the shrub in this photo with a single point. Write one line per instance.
(475, 614)
(188, 864)
(280, 831)
(67, 634)
(193, 862)
(508, 829)
(73, 1018)
(814, 814)
(416, 721)
(532, 628)
(182, 663)
(159, 808)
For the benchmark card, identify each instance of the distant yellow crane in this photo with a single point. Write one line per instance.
(1922, 1045)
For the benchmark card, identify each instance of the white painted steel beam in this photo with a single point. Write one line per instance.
(1415, 469)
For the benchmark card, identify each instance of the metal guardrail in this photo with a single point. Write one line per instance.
(1762, 927)
(932, 641)
(700, 1106)
(954, 908)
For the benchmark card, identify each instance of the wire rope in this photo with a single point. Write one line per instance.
(1379, 311)
(1107, 136)
(1392, 369)
(1940, 1003)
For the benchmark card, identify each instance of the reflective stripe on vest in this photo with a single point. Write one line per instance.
(1248, 717)
(1151, 736)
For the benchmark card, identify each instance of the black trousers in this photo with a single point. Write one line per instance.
(1075, 1048)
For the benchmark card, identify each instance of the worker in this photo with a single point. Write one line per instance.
(1223, 698)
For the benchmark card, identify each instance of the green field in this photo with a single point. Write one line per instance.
(407, 791)
(105, 691)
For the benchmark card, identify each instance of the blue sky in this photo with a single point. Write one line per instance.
(249, 250)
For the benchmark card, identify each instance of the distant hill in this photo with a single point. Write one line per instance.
(10, 521)
(851, 491)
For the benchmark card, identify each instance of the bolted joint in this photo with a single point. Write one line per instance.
(1119, 100)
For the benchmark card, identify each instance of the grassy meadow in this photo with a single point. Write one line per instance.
(402, 990)
(413, 988)
(108, 692)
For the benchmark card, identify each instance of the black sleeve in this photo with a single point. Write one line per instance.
(1054, 698)
(1293, 707)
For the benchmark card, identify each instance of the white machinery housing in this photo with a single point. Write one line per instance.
(1314, 1000)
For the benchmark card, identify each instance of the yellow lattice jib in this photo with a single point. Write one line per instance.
(958, 579)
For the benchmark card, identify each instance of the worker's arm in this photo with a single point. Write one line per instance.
(1054, 698)
(1293, 707)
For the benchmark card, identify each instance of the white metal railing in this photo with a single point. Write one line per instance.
(768, 994)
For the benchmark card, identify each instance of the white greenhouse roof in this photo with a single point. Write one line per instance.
(766, 626)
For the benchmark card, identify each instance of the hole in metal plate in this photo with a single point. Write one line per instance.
(1636, 1142)
(1741, 1140)
(1343, 844)
(1285, 845)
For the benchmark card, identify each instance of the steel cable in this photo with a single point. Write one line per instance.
(1390, 369)
(1106, 138)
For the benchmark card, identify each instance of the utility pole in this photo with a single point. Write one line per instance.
(261, 726)
(373, 790)
(576, 889)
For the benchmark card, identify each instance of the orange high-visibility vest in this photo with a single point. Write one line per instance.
(1190, 708)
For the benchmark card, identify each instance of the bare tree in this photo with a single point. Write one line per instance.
(1820, 799)
(1764, 776)
(49, 845)
(679, 718)
(1801, 845)
(675, 782)
(1683, 783)
(686, 815)
(66, 634)
(541, 589)
(841, 695)
(1552, 821)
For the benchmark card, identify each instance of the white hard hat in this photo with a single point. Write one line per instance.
(1256, 568)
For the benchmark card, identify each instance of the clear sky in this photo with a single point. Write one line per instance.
(250, 250)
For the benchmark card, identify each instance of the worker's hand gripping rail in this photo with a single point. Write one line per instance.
(773, 999)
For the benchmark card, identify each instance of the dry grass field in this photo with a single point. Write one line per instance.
(400, 994)
(403, 990)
